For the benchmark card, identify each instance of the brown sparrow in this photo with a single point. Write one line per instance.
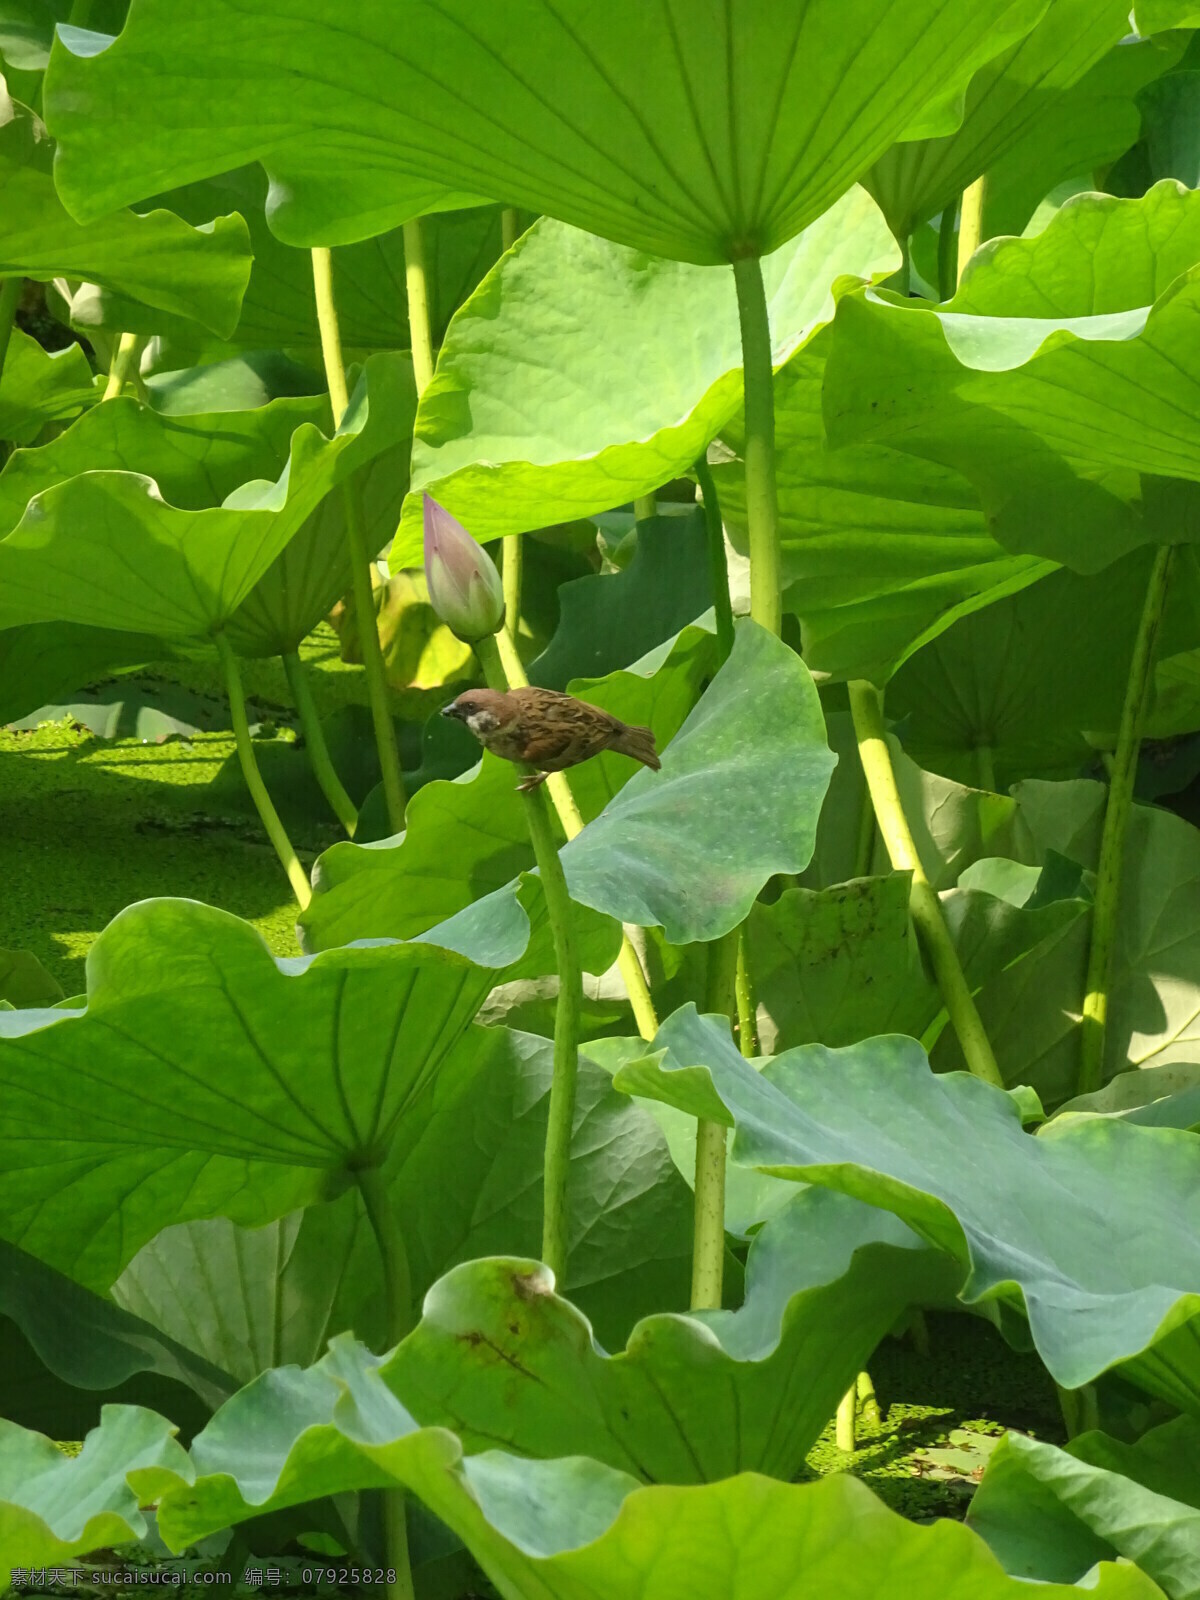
(547, 730)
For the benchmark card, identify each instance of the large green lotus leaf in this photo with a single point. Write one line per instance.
(43, 662)
(1154, 998)
(196, 460)
(106, 549)
(522, 426)
(1083, 130)
(279, 309)
(251, 1299)
(839, 965)
(40, 386)
(1061, 352)
(692, 1398)
(752, 132)
(689, 848)
(882, 550)
(54, 1506)
(1010, 692)
(206, 1078)
(312, 571)
(574, 1529)
(1005, 101)
(1156, 16)
(158, 259)
(1028, 1218)
(1157, 1097)
(1049, 1514)
(65, 1349)
(607, 621)
(467, 838)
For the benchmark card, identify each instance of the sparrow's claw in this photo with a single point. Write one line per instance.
(531, 782)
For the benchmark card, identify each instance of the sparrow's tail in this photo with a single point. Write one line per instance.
(638, 743)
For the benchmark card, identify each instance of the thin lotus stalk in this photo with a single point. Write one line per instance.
(645, 507)
(10, 299)
(512, 565)
(569, 1007)
(845, 1425)
(868, 1404)
(718, 566)
(1117, 815)
(708, 1230)
(571, 818)
(747, 1006)
(866, 706)
(121, 367)
(971, 227)
(947, 263)
(985, 767)
(864, 847)
(324, 771)
(510, 227)
(360, 561)
(263, 803)
(398, 1306)
(416, 283)
(762, 510)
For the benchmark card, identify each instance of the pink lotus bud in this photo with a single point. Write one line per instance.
(464, 586)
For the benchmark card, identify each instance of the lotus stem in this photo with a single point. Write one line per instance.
(718, 566)
(971, 227)
(947, 265)
(398, 1304)
(121, 366)
(708, 1231)
(511, 570)
(276, 831)
(319, 758)
(637, 988)
(866, 706)
(847, 1419)
(762, 511)
(985, 767)
(569, 1009)
(10, 299)
(360, 561)
(868, 1405)
(747, 1006)
(416, 282)
(645, 507)
(864, 848)
(1117, 814)
(510, 227)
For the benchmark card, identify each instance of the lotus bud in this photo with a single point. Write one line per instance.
(464, 586)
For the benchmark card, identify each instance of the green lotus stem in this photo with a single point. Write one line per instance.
(319, 758)
(10, 299)
(512, 676)
(866, 707)
(717, 565)
(868, 1405)
(947, 265)
(970, 227)
(416, 282)
(567, 1012)
(81, 13)
(747, 1006)
(985, 767)
(864, 848)
(276, 831)
(762, 509)
(511, 567)
(121, 366)
(645, 507)
(1117, 814)
(360, 560)
(510, 227)
(398, 1307)
(708, 1229)
(847, 1419)
(904, 275)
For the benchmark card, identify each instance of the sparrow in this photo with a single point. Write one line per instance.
(547, 730)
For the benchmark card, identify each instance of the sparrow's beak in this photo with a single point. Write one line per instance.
(452, 710)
